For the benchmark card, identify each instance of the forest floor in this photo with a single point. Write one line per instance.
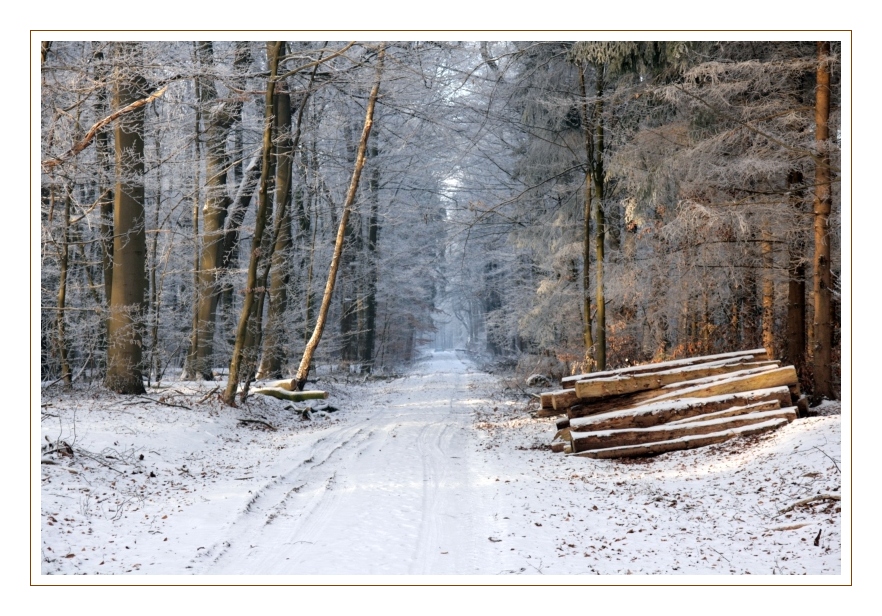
(441, 471)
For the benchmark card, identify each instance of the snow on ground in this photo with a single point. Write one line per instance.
(440, 473)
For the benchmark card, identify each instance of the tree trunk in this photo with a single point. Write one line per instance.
(63, 261)
(768, 261)
(303, 371)
(599, 227)
(127, 302)
(587, 336)
(795, 339)
(239, 348)
(823, 339)
(220, 116)
(273, 348)
(370, 301)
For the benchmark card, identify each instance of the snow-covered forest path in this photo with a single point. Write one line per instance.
(390, 492)
(441, 471)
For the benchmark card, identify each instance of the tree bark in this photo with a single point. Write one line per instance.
(599, 226)
(220, 116)
(823, 325)
(587, 336)
(370, 301)
(128, 300)
(63, 262)
(273, 348)
(239, 348)
(795, 339)
(302, 372)
(768, 261)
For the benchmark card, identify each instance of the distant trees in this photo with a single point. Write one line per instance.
(590, 203)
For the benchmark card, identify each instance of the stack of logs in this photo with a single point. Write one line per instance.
(680, 404)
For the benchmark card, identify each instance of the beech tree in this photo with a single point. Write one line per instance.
(561, 205)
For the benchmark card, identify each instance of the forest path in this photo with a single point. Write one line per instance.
(391, 491)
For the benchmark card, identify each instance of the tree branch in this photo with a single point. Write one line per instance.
(97, 126)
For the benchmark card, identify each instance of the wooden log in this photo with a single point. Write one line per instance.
(784, 376)
(569, 382)
(584, 441)
(563, 399)
(293, 396)
(549, 412)
(558, 447)
(665, 411)
(545, 400)
(563, 423)
(627, 384)
(732, 412)
(686, 442)
(563, 435)
(614, 403)
(802, 404)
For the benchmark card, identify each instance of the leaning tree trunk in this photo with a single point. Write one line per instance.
(239, 348)
(128, 295)
(823, 339)
(302, 372)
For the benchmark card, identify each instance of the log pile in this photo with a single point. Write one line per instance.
(667, 406)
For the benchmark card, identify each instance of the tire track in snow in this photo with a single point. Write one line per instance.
(270, 502)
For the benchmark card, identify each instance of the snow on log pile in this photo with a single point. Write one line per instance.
(667, 406)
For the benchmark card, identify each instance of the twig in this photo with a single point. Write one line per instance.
(98, 460)
(721, 555)
(811, 499)
(257, 421)
(208, 395)
(180, 406)
(828, 455)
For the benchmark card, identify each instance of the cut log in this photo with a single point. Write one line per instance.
(665, 411)
(732, 412)
(293, 396)
(563, 423)
(569, 382)
(563, 399)
(584, 441)
(615, 403)
(563, 435)
(543, 412)
(785, 376)
(802, 404)
(558, 447)
(686, 442)
(627, 384)
(545, 400)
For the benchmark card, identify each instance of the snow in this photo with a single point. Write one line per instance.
(441, 476)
